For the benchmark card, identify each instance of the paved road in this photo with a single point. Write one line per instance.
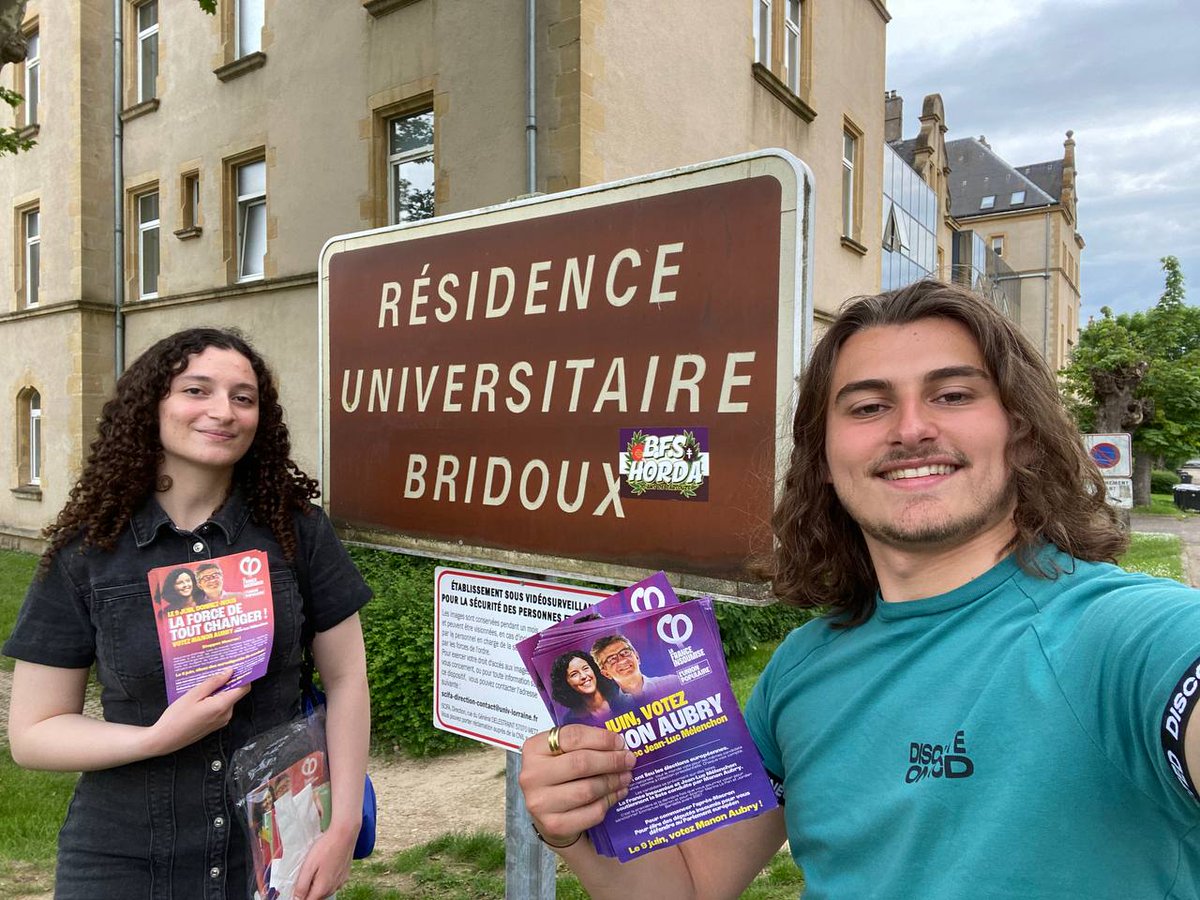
(1188, 529)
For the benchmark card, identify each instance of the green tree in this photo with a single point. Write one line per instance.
(1140, 372)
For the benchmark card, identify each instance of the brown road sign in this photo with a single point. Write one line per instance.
(589, 383)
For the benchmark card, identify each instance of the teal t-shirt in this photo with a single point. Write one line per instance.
(998, 741)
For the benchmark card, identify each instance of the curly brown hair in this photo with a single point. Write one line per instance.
(122, 468)
(821, 557)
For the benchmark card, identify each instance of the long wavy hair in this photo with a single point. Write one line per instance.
(821, 557)
(122, 468)
(560, 686)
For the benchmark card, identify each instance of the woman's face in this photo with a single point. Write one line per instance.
(209, 416)
(183, 585)
(581, 677)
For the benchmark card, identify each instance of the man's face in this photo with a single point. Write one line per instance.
(915, 436)
(211, 582)
(619, 661)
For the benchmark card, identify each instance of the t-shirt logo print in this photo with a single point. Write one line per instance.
(947, 760)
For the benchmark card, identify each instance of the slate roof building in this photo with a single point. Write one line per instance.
(1008, 231)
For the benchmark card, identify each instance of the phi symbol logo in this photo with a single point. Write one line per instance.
(308, 767)
(647, 598)
(250, 566)
(675, 629)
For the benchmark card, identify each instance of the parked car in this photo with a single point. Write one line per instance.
(1189, 472)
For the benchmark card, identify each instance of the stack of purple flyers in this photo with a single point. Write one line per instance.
(646, 666)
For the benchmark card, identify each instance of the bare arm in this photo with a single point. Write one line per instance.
(48, 730)
(342, 661)
(568, 793)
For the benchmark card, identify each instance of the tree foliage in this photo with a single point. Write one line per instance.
(11, 140)
(1140, 372)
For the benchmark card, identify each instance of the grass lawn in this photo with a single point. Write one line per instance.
(471, 867)
(1155, 554)
(1163, 505)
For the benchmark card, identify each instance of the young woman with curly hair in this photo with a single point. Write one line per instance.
(192, 462)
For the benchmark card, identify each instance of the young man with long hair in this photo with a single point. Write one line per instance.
(989, 707)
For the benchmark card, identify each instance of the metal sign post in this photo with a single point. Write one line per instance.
(528, 863)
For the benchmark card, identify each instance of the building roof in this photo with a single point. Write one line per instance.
(1047, 175)
(977, 173)
(906, 150)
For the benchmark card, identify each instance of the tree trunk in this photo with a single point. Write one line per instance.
(1142, 463)
(1117, 408)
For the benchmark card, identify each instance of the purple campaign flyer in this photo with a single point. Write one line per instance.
(213, 614)
(650, 593)
(659, 680)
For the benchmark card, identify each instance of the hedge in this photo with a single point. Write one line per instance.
(1163, 482)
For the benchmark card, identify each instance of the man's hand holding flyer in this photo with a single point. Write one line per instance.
(650, 668)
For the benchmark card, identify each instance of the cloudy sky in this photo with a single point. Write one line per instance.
(1124, 75)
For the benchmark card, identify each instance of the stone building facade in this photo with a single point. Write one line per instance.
(251, 136)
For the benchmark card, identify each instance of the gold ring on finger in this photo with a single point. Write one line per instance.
(552, 739)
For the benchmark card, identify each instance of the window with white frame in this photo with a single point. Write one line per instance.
(28, 449)
(998, 244)
(33, 79)
(147, 50)
(251, 185)
(248, 24)
(410, 168)
(781, 30)
(31, 269)
(849, 182)
(762, 32)
(147, 245)
(792, 47)
(35, 438)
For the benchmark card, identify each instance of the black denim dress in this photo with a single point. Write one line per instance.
(166, 828)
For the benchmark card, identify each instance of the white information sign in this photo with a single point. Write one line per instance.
(1112, 454)
(1120, 492)
(481, 689)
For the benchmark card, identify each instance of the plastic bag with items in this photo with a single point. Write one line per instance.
(280, 784)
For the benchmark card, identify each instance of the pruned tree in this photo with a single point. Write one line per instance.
(1140, 372)
(12, 39)
(12, 50)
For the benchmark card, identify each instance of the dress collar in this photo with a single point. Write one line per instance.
(150, 517)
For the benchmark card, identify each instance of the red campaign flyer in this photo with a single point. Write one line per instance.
(286, 815)
(213, 614)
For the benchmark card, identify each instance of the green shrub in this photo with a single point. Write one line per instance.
(1162, 481)
(743, 628)
(398, 632)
